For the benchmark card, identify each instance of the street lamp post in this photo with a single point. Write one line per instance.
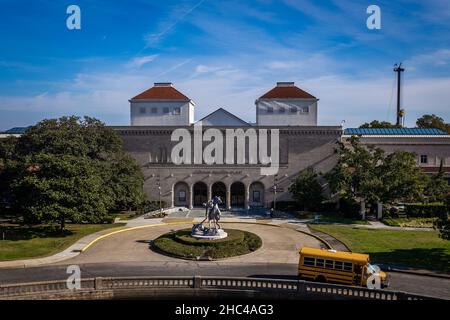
(160, 207)
(274, 193)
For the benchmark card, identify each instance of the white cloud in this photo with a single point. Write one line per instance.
(138, 62)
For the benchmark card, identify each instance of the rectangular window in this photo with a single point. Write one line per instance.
(305, 109)
(166, 110)
(256, 196)
(348, 266)
(142, 109)
(309, 262)
(182, 196)
(269, 109)
(320, 263)
(293, 109)
(154, 110)
(338, 265)
(329, 264)
(176, 111)
(423, 159)
(282, 110)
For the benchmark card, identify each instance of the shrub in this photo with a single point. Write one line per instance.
(426, 210)
(148, 206)
(349, 208)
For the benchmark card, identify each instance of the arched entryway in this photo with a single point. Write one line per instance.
(237, 195)
(181, 194)
(200, 194)
(256, 194)
(219, 189)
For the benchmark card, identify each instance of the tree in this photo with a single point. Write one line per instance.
(7, 167)
(402, 178)
(73, 169)
(126, 181)
(433, 121)
(442, 224)
(368, 175)
(437, 187)
(379, 124)
(63, 187)
(356, 173)
(306, 190)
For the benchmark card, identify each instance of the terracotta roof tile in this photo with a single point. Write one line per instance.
(165, 92)
(287, 92)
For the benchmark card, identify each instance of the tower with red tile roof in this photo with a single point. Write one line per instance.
(286, 105)
(161, 105)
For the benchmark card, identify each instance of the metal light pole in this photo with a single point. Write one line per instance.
(160, 207)
(400, 113)
(274, 193)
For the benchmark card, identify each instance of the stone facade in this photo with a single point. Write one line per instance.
(240, 185)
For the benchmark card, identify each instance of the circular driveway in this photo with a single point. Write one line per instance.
(280, 245)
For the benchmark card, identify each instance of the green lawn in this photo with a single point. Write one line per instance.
(336, 218)
(410, 222)
(23, 242)
(420, 249)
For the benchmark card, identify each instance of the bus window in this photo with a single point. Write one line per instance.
(329, 264)
(308, 261)
(319, 263)
(348, 266)
(338, 265)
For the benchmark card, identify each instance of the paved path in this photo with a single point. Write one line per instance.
(280, 245)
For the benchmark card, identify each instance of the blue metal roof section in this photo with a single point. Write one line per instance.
(17, 130)
(394, 131)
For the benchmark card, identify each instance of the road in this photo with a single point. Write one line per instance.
(425, 285)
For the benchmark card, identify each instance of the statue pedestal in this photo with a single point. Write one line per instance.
(200, 232)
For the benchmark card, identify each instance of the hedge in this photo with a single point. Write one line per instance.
(425, 210)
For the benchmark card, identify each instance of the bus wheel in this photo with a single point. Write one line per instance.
(321, 279)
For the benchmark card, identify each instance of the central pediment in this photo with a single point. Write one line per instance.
(222, 117)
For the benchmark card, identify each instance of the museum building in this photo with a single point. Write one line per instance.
(158, 111)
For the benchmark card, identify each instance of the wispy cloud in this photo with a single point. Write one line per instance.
(151, 39)
(138, 62)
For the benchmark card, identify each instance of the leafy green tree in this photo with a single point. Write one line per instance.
(379, 124)
(73, 169)
(307, 190)
(356, 173)
(7, 169)
(433, 121)
(442, 224)
(63, 187)
(402, 178)
(366, 174)
(437, 187)
(126, 181)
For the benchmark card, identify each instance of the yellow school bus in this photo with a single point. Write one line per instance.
(338, 267)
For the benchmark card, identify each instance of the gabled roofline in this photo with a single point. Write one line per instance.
(228, 113)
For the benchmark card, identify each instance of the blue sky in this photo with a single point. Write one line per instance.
(222, 54)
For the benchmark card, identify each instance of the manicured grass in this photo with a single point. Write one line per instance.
(417, 249)
(335, 218)
(410, 222)
(23, 242)
(126, 215)
(181, 244)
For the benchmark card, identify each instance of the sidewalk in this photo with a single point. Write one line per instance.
(70, 252)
